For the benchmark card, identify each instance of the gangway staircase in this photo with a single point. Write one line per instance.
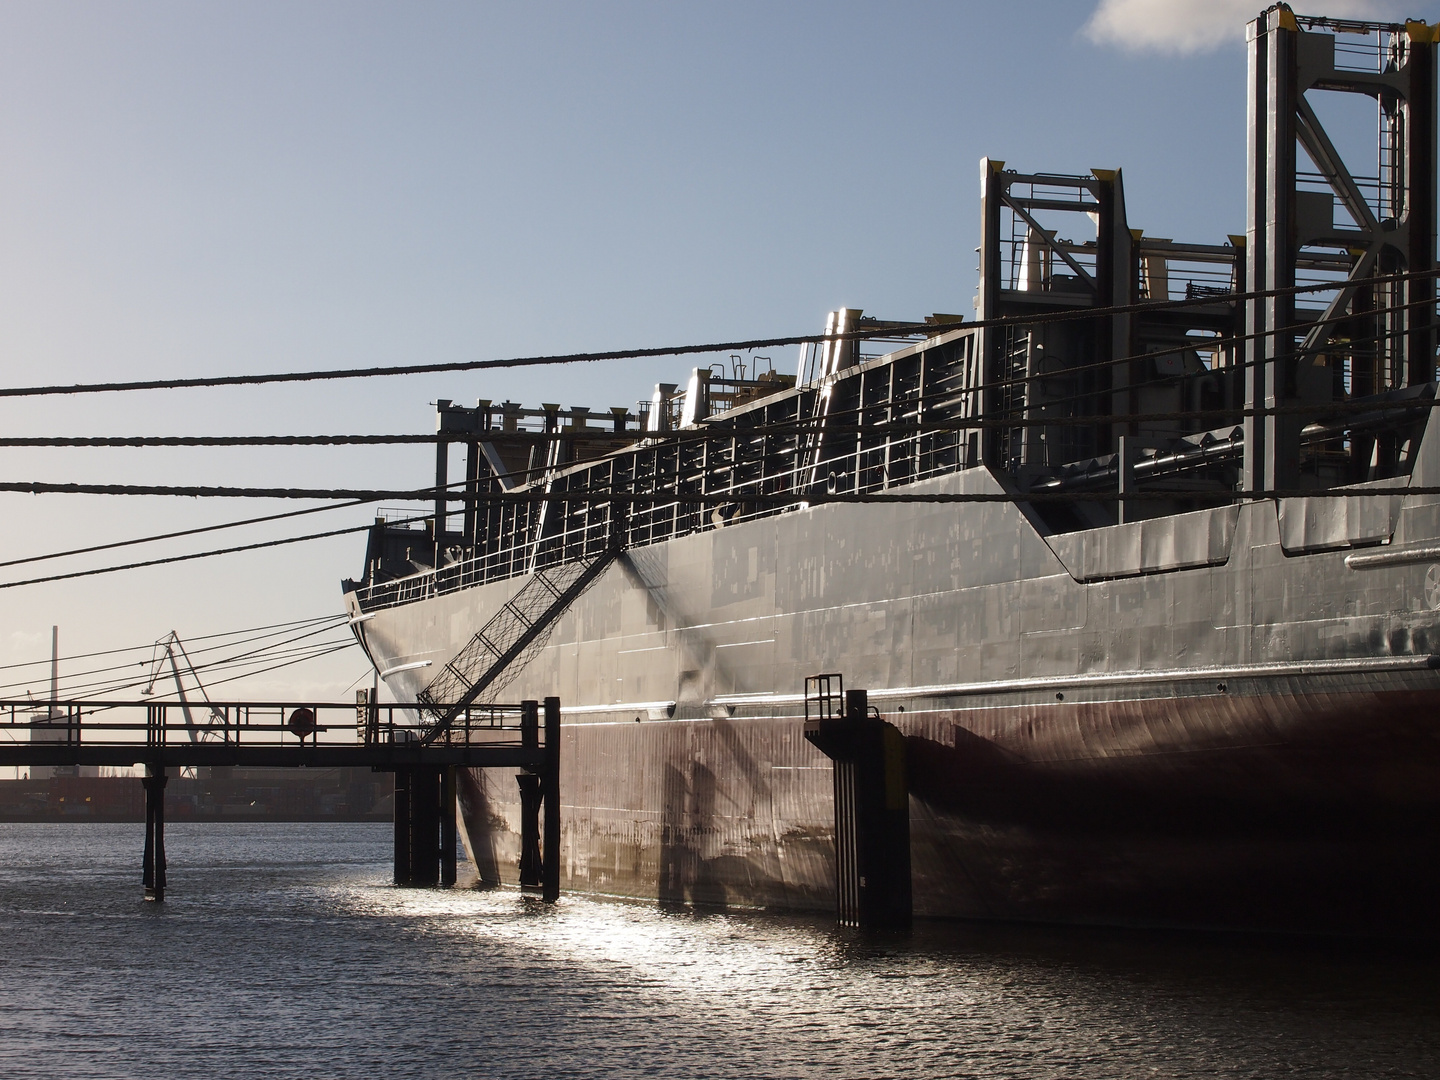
(508, 640)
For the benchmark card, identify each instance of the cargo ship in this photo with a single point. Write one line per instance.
(1141, 558)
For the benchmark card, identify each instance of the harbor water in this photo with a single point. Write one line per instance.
(283, 951)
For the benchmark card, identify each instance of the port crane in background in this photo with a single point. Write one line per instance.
(171, 650)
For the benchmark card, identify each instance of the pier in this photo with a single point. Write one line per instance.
(872, 804)
(165, 737)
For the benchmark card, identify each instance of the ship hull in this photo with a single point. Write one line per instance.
(1281, 810)
(1230, 734)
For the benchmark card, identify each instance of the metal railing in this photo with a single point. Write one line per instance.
(824, 697)
(150, 724)
(780, 448)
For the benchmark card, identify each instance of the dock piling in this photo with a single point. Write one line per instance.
(550, 857)
(154, 859)
(447, 826)
(531, 796)
(540, 803)
(424, 825)
(404, 872)
(872, 811)
(532, 792)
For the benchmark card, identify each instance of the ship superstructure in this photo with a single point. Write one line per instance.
(1143, 558)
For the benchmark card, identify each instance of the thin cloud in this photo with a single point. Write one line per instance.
(1190, 26)
(23, 639)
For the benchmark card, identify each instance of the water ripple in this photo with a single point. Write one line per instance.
(282, 952)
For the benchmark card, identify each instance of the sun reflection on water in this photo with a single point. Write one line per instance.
(288, 954)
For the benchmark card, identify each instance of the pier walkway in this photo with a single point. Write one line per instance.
(165, 736)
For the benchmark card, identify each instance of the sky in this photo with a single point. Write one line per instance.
(202, 189)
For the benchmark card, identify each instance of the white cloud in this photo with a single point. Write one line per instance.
(1187, 26)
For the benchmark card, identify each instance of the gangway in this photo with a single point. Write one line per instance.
(521, 624)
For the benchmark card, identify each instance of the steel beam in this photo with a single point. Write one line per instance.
(1420, 184)
(990, 340)
(1394, 232)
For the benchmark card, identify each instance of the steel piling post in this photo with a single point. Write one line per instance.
(550, 856)
(404, 864)
(531, 796)
(153, 870)
(447, 826)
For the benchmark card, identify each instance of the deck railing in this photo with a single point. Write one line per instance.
(866, 431)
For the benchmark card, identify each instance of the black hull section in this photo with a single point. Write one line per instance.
(1275, 811)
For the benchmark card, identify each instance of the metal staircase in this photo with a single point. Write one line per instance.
(504, 644)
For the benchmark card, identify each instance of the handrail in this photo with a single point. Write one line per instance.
(656, 522)
(270, 724)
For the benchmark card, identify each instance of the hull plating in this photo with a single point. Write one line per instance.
(1267, 810)
(1240, 737)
